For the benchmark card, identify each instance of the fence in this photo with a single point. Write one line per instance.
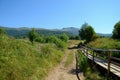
(103, 54)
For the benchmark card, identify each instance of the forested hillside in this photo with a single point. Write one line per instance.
(23, 32)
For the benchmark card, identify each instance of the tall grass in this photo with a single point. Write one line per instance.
(106, 43)
(20, 60)
(90, 72)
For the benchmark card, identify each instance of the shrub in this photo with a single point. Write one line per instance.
(58, 42)
(32, 35)
(64, 37)
(40, 39)
(89, 71)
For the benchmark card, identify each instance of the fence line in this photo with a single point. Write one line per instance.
(94, 52)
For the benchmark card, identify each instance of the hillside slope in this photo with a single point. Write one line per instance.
(23, 32)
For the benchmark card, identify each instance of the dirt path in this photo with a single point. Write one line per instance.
(64, 73)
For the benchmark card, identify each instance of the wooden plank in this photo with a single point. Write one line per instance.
(108, 62)
(114, 58)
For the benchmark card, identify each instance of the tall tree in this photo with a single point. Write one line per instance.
(32, 35)
(116, 31)
(87, 32)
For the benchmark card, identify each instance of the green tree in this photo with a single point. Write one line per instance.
(64, 37)
(33, 35)
(87, 32)
(116, 31)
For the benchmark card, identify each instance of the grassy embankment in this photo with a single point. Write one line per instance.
(90, 71)
(20, 60)
(106, 43)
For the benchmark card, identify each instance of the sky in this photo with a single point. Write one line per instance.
(102, 15)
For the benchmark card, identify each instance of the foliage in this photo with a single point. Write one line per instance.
(23, 32)
(19, 60)
(74, 38)
(2, 31)
(87, 32)
(89, 71)
(59, 43)
(52, 39)
(40, 39)
(64, 37)
(116, 31)
(106, 43)
(32, 35)
(83, 61)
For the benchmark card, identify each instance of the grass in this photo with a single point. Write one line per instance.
(75, 42)
(90, 72)
(69, 59)
(106, 43)
(20, 60)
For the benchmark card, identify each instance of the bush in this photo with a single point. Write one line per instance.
(64, 37)
(32, 35)
(58, 42)
(74, 38)
(83, 62)
(40, 39)
(89, 71)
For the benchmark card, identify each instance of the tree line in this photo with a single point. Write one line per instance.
(59, 41)
(87, 32)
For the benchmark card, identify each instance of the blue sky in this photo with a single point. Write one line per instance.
(56, 14)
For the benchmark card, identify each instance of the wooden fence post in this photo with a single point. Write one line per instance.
(108, 72)
(87, 52)
(77, 70)
(93, 55)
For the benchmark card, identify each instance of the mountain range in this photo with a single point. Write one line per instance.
(23, 31)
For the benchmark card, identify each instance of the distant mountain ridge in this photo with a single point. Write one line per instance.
(104, 35)
(76, 31)
(23, 31)
(72, 30)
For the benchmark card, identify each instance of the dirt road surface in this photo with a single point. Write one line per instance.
(60, 72)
